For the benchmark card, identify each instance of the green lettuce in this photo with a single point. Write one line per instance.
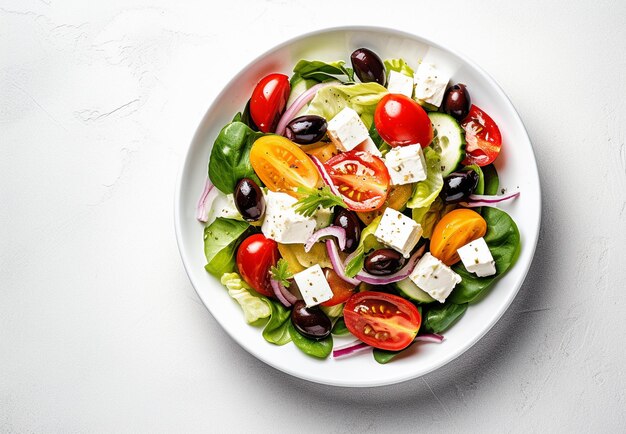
(426, 191)
(320, 71)
(221, 239)
(398, 65)
(254, 307)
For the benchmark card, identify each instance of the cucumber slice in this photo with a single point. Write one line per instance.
(449, 141)
(410, 290)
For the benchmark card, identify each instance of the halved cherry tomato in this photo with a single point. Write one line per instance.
(321, 150)
(381, 320)
(342, 290)
(400, 121)
(255, 256)
(398, 196)
(268, 101)
(482, 136)
(454, 230)
(361, 178)
(282, 165)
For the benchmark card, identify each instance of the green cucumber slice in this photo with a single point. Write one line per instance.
(449, 141)
(408, 289)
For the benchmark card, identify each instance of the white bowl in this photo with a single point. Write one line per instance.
(516, 166)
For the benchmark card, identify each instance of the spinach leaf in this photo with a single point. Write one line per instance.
(385, 356)
(276, 330)
(321, 71)
(220, 243)
(440, 318)
(320, 349)
(340, 329)
(480, 188)
(503, 240)
(492, 181)
(230, 157)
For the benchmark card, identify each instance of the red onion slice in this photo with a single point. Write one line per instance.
(476, 200)
(206, 201)
(357, 346)
(429, 337)
(335, 260)
(325, 176)
(282, 294)
(297, 105)
(403, 273)
(332, 231)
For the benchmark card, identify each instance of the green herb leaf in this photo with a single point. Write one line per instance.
(320, 349)
(313, 198)
(440, 318)
(276, 330)
(281, 273)
(221, 239)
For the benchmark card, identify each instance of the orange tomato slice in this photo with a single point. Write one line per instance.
(454, 230)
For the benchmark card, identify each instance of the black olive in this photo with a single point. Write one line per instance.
(249, 200)
(458, 186)
(310, 321)
(306, 129)
(368, 66)
(351, 223)
(457, 101)
(383, 262)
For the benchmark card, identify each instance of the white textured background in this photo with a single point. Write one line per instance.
(101, 331)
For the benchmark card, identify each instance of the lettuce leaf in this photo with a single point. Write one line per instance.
(221, 239)
(426, 191)
(398, 65)
(254, 307)
(320, 71)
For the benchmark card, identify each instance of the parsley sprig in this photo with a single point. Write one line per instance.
(281, 272)
(313, 198)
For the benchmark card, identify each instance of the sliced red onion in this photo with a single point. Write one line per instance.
(351, 348)
(403, 273)
(331, 231)
(297, 105)
(357, 346)
(282, 294)
(476, 200)
(206, 201)
(325, 176)
(335, 260)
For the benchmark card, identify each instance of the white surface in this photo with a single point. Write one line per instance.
(100, 329)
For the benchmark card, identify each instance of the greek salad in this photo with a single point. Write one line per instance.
(357, 201)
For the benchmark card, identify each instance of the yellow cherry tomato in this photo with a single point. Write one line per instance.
(454, 230)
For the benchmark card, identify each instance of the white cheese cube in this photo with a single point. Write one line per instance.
(434, 277)
(398, 231)
(477, 258)
(313, 286)
(400, 83)
(369, 146)
(223, 206)
(282, 223)
(347, 130)
(430, 84)
(406, 164)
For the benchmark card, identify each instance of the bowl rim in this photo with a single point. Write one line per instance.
(529, 244)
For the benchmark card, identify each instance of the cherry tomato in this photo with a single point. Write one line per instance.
(400, 121)
(255, 256)
(454, 230)
(382, 320)
(361, 178)
(282, 165)
(268, 101)
(322, 151)
(342, 290)
(482, 136)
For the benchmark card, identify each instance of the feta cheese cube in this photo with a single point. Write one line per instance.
(369, 146)
(223, 206)
(398, 231)
(434, 277)
(282, 223)
(347, 130)
(406, 164)
(430, 84)
(313, 286)
(400, 83)
(477, 258)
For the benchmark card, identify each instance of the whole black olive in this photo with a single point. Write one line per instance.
(458, 186)
(457, 101)
(310, 321)
(351, 223)
(383, 262)
(306, 129)
(368, 66)
(249, 200)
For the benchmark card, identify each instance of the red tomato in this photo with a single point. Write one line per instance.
(381, 320)
(255, 256)
(400, 121)
(482, 136)
(361, 178)
(268, 101)
(342, 290)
